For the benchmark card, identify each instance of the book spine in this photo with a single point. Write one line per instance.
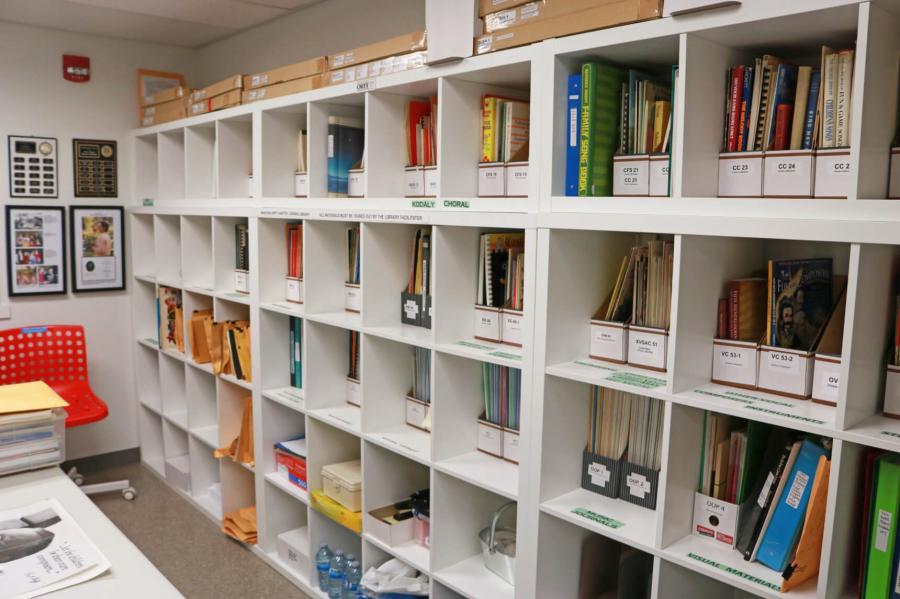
(737, 79)
(488, 117)
(722, 321)
(783, 116)
(828, 91)
(812, 104)
(574, 132)
(774, 102)
(743, 121)
(842, 112)
(770, 307)
(734, 310)
(586, 137)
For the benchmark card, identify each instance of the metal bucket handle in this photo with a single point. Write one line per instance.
(494, 520)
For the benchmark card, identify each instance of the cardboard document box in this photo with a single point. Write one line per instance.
(220, 102)
(511, 445)
(301, 185)
(242, 281)
(166, 95)
(600, 474)
(402, 44)
(353, 392)
(785, 372)
(683, 7)
(178, 472)
(293, 549)
(491, 180)
(165, 112)
(741, 175)
(640, 485)
(418, 414)
(511, 323)
(659, 175)
(487, 323)
(892, 392)
(647, 347)
(352, 297)
(517, 179)
(297, 70)
(490, 438)
(834, 173)
(235, 82)
(826, 386)
(293, 290)
(343, 483)
(894, 184)
(431, 181)
(356, 183)
(486, 7)
(735, 363)
(380, 524)
(609, 341)
(415, 181)
(294, 86)
(715, 519)
(631, 175)
(788, 174)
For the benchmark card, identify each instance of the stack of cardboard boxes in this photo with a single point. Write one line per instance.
(511, 23)
(289, 79)
(219, 95)
(168, 105)
(392, 55)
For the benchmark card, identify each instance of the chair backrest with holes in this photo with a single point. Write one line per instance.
(55, 354)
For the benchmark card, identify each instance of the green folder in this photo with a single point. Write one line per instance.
(883, 532)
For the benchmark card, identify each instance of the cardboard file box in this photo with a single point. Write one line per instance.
(491, 180)
(639, 485)
(178, 472)
(785, 372)
(490, 438)
(788, 174)
(735, 363)
(415, 181)
(166, 95)
(415, 310)
(294, 86)
(487, 323)
(511, 323)
(826, 386)
(220, 102)
(659, 175)
(392, 534)
(402, 44)
(301, 185)
(892, 392)
(682, 7)
(431, 181)
(242, 281)
(418, 414)
(741, 175)
(352, 297)
(715, 519)
(293, 290)
(631, 175)
(517, 179)
(354, 392)
(298, 70)
(356, 183)
(511, 445)
(609, 341)
(834, 173)
(600, 475)
(293, 549)
(235, 82)
(894, 184)
(165, 112)
(343, 483)
(647, 347)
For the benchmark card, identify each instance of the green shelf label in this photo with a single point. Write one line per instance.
(786, 415)
(593, 365)
(722, 396)
(456, 204)
(636, 380)
(422, 203)
(473, 345)
(598, 518)
(891, 434)
(507, 355)
(735, 572)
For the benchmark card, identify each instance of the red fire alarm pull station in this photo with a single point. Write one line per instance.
(76, 68)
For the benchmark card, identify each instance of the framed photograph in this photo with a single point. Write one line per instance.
(98, 247)
(36, 250)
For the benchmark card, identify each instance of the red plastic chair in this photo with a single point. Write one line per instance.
(57, 355)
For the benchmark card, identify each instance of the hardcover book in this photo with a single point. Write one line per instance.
(345, 151)
(800, 298)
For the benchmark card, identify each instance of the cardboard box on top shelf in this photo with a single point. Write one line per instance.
(166, 95)
(165, 112)
(486, 7)
(537, 10)
(384, 66)
(222, 101)
(294, 86)
(618, 12)
(402, 44)
(218, 88)
(297, 70)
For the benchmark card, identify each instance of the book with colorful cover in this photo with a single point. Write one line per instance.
(600, 96)
(799, 301)
(812, 106)
(573, 105)
(346, 142)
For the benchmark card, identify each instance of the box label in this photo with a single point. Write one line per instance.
(883, 529)
(599, 474)
(242, 281)
(798, 486)
(782, 363)
(734, 357)
(631, 177)
(598, 518)
(638, 485)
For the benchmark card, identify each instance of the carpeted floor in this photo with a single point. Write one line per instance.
(210, 566)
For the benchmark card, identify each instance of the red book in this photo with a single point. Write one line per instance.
(783, 115)
(737, 88)
(734, 309)
(722, 326)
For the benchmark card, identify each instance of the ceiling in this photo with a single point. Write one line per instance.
(188, 23)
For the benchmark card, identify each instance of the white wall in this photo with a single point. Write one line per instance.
(35, 100)
(323, 28)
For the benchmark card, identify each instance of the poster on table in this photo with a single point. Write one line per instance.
(36, 255)
(98, 248)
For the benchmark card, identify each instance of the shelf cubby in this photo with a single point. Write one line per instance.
(323, 529)
(204, 473)
(144, 306)
(196, 253)
(230, 408)
(191, 302)
(200, 392)
(273, 266)
(442, 591)
(142, 246)
(238, 487)
(172, 390)
(280, 133)
(200, 162)
(325, 271)
(151, 433)
(329, 445)
(167, 249)
(352, 106)
(234, 153)
(283, 514)
(147, 169)
(224, 244)
(325, 386)
(171, 165)
(230, 308)
(147, 377)
(279, 423)
(175, 440)
(276, 351)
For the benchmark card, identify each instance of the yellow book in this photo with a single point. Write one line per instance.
(489, 129)
(660, 123)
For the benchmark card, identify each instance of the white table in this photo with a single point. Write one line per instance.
(130, 575)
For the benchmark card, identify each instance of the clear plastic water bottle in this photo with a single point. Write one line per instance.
(351, 582)
(323, 561)
(336, 573)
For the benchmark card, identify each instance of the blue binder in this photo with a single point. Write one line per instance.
(787, 519)
(573, 123)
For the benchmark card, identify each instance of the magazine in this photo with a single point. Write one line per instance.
(42, 549)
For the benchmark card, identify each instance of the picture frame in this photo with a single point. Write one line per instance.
(97, 248)
(36, 250)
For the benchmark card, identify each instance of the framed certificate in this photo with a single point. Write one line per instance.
(98, 248)
(36, 250)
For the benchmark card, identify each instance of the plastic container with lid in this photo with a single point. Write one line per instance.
(342, 483)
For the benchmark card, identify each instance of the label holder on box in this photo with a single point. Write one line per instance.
(431, 181)
(511, 445)
(356, 183)
(242, 281)
(786, 372)
(659, 175)
(600, 474)
(418, 414)
(353, 392)
(293, 290)
(609, 341)
(490, 438)
(414, 177)
(491, 180)
(647, 347)
(834, 173)
(517, 179)
(487, 323)
(735, 363)
(511, 323)
(631, 175)
(741, 175)
(639, 485)
(301, 185)
(715, 519)
(788, 174)
(352, 297)
(826, 386)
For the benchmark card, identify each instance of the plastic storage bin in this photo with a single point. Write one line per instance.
(343, 483)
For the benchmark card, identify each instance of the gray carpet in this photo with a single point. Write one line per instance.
(159, 520)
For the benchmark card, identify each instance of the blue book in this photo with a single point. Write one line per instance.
(574, 128)
(784, 528)
(812, 105)
(746, 105)
(785, 87)
(345, 151)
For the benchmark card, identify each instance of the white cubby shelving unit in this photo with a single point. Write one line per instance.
(197, 174)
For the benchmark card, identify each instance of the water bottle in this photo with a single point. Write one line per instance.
(336, 573)
(351, 582)
(323, 560)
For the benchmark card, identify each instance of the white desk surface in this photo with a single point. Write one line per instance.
(130, 575)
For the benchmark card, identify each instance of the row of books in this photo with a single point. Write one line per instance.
(420, 267)
(294, 232)
(505, 125)
(622, 424)
(730, 455)
(353, 254)
(224, 345)
(346, 150)
(501, 264)
(613, 111)
(420, 131)
(502, 388)
(642, 292)
(295, 353)
(421, 374)
(774, 105)
(301, 151)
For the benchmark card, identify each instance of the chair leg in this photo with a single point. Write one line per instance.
(128, 492)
